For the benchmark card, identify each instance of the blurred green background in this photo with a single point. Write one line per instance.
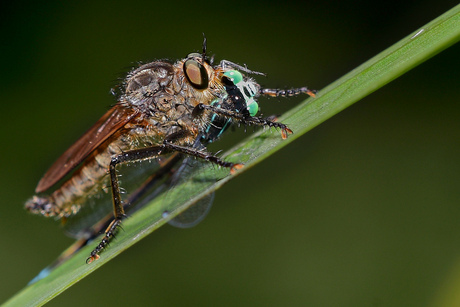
(362, 211)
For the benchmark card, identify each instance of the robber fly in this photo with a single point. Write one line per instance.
(164, 110)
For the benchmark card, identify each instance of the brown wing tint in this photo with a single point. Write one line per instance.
(106, 126)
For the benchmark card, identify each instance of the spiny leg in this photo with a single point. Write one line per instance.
(253, 120)
(274, 92)
(141, 154)
(96, 229)
(245, 120)
(190, 151)
(118, 210)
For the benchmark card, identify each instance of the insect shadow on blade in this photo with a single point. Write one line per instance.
(165, 115)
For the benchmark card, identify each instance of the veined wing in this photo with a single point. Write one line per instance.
(106, 126)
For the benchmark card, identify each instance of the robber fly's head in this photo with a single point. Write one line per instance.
(237, 88)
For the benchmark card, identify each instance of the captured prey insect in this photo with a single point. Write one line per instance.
(166, 113)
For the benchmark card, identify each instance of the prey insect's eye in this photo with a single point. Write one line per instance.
(196, 74)
(234, 76)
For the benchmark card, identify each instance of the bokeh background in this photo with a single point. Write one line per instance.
(362, 211)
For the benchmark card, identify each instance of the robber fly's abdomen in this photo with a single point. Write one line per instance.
(88, 180)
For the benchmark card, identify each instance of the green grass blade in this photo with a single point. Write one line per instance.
(370, 76)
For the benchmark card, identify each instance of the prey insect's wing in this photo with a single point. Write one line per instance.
(106, 126)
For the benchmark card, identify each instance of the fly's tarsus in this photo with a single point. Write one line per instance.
(109, 235)
(274, 92)
(236, 167)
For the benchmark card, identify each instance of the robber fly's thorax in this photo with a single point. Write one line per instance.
(166, 96)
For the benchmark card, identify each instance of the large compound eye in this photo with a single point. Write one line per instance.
(234, 76)
(196, 74)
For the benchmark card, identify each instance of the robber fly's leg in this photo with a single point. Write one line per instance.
(274, 92)
(244, 119)
(118, 210)
(136, 155)
(190, 151)
(104, 222)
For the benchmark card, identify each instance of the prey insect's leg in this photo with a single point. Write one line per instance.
(224, 63)
(274, 92)
(246, 120)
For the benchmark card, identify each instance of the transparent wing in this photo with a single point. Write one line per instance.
(194, 214)
(197, 211)
(140, 182)
(193, 175)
